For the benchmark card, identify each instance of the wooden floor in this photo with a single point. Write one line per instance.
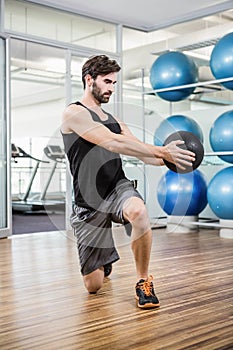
(45, 306)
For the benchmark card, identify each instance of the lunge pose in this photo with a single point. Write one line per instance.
(94, 140)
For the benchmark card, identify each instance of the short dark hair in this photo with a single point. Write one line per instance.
(99, 65)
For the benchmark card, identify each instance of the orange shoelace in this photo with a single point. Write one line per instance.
(146, 286)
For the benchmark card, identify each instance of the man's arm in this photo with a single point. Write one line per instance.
(147, 160)
(77, 119)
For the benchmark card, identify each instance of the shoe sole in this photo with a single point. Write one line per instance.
(148, 305)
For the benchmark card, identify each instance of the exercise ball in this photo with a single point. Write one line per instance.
(173, 69)
(220, 193)
(191, 143)
(176, 123)
(221, 60)
(221, 135)
(182, 194)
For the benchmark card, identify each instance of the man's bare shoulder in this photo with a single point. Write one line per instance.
(73, 113)
(74, 110)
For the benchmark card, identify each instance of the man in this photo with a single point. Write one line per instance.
(93, 141)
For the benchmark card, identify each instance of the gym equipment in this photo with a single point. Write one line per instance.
(22, 204)
(174, 123)
(36, 202)
(221, 60)
(57, 155)
(220, 194)
(182, 194)
(221, 135)
(192, 143)
(173, 69)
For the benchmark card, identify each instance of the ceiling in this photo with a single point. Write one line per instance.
(147, 15)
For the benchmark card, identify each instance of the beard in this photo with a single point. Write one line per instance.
(96, 92)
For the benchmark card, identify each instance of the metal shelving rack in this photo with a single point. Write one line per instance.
(225, 225)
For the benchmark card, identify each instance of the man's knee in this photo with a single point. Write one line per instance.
(136, 213)
(94, 280)
(135, 209)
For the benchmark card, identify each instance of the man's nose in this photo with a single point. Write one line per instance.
(112, 88)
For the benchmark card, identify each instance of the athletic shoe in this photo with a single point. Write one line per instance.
(128, 228)
(107, 269)
(145, 294)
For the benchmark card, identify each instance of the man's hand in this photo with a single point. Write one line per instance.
(181, 157)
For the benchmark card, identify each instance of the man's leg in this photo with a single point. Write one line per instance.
(135, 212)
(95, 245)
(94, 280)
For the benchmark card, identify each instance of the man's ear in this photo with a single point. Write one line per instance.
(89, 80)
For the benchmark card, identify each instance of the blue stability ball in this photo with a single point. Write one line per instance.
(221, 135)
(220, 194)
(182, 194)
(221, 60)
(176, 123)
(173, 69)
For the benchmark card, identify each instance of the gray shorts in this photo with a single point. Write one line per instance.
(93, 228)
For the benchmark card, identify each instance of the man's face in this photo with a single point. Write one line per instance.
(103, 87)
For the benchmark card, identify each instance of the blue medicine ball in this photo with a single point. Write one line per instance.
(221, 135)
(176, 123)
(173, 69)
(220, 194)
(221, 60)
(182, 194)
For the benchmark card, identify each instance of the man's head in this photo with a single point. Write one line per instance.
(99, 65)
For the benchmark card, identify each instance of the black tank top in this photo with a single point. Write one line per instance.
(95, 170)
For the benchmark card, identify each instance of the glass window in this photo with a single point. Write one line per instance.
(76, 77)
(59, 25)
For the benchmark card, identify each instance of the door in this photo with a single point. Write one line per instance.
(5, 201)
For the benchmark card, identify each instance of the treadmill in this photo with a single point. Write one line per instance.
(38, 203)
